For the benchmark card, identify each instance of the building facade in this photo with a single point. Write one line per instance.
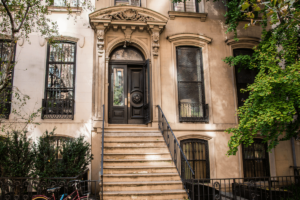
(134, 55)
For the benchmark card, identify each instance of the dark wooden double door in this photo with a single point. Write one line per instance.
(129, 94)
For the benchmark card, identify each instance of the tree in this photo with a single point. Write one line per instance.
(273, 105)
(23, 17)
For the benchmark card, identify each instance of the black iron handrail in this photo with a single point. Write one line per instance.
(58, 109)
(185, 170)
(102, 153)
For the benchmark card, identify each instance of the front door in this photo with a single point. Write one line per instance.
(128, 98)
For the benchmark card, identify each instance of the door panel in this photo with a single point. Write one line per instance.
(147, 91)
(135, 95)
(118, 94)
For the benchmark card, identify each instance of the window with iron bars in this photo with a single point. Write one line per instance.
(191, 95)
(58, 102)
(6, 94)
(197, 154)
(256, 159)
(128, 2)
(186, 6)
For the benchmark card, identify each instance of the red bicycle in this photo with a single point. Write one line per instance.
(73, 196)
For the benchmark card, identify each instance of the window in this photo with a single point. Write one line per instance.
(5, 105)
(191, 97)
(58, 142)
(244, 76)
(128, 2)
(187, 6)
(60, 81)
(196, 152)
(63, 3)
(256, 160)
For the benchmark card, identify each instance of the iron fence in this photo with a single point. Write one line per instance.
(16, 188)
(58, 109)
(258, 188)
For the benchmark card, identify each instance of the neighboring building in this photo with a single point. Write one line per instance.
(133, 55)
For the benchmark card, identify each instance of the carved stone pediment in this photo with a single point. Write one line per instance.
(128, 14)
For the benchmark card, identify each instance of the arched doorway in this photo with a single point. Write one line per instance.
(129, 87)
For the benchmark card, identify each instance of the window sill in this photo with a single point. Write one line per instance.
(201, 16)
(64, 9)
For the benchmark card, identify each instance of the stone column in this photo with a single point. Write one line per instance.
(100, 74)
(155, 69)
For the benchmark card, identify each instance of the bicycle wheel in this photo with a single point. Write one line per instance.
(40, 198)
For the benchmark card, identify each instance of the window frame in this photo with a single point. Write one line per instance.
(236, 68)
(205, 142)
(266, 159)
(57, 139)
(184, 6)
(205, 117)
(46, 115)
(68, 1)
(9, 88)
(115, 3)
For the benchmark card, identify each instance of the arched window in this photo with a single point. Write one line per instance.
(60, 81)
(191, 95)
(196, 152)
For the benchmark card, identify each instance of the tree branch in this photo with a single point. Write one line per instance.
(27, 9)
(10, 17)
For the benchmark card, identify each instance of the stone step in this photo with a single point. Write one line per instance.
(132, 143)
(150, 156)
(146, 195)
(142, 185)
(138, 162)
(132, 134)
(135, 144)
(133, 138)
(135, 149)
(138, 169)
(141, 177)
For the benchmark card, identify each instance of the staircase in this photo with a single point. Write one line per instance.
(138, 165)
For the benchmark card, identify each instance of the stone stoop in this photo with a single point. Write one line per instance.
(138, 165)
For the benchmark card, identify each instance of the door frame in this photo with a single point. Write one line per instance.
(121, 63)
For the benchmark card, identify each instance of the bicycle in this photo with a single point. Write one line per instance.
(75, 195)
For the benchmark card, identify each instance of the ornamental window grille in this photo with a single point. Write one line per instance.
(58, 102)
(191, 98)
(6, 94)
(128, 2)
(186, 6)
(244, 76)
(64, 3)
(197, 154)
(256, 159)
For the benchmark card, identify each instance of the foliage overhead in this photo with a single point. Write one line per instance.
(272, 108)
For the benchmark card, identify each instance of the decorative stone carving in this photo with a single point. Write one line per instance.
(128, 14)
(155, 43)
(136, 98)
(100, 41)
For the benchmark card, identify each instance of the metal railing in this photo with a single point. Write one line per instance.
(24, 188)
(193, 112)
(102, 153)
(183, 166)
(258, 188)
(58, 109)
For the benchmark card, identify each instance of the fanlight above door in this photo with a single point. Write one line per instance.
(126, 54)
